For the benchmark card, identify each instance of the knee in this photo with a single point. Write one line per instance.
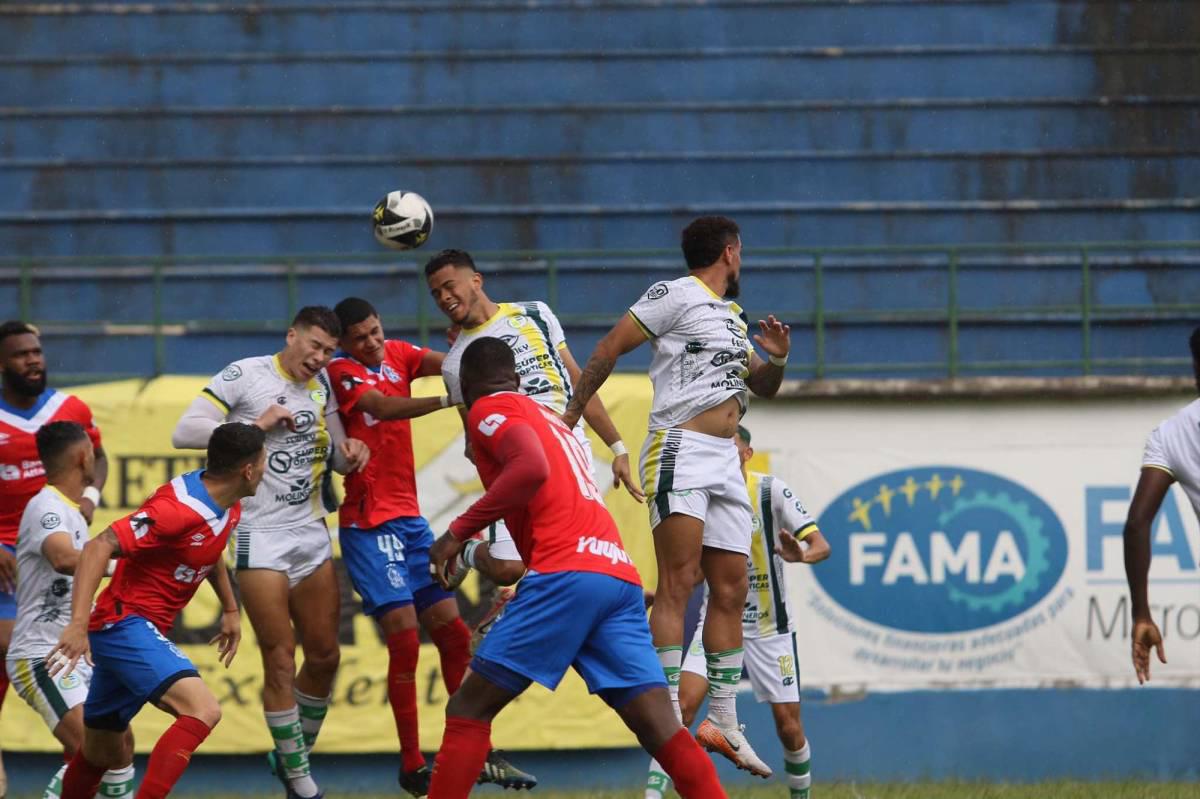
(790, 732)
(322, 660)
(675, 586)
(279, 666)
(729, 594)
(208, 712)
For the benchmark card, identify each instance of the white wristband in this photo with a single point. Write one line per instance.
(618, 448)
(92, 493)
(445, 400)
(468, 552)
(777, 361)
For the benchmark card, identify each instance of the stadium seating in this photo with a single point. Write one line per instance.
(165, 129)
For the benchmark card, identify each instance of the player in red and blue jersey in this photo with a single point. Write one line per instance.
(385, 539)
(25, 405)
(537, 481)
(170, 545)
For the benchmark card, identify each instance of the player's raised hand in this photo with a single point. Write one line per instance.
(274, 416)
(623, 474)
(8, 571)
(790, 549)
(774, 337)
(72, 645)
(229, 637)
(1146, 637)
(441, 558)
(356, 453)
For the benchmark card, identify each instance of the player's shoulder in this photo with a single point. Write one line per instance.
(399, 348)
(251, 368)
(45, 509)
(671, 290)
(72, 406)
(506, 404)
(536, 308)
(1182, 423)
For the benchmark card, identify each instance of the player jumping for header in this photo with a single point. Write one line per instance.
(536, 479)
(702, 366)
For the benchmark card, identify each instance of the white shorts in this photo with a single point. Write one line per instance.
(699, 476)
(500, 543)
(297, 552)
(51, 697)
(770, 662)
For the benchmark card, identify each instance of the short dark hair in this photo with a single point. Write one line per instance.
(54, 440)
(353, 310)
(232, 445)
(318, 316)
(744, 435)
(15, 327)
(449, 258)
(1194, 343)
(485, 358)
(706, 238)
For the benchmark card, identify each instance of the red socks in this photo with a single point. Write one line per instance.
(453, 641)
(403, 649)
(464, 749)
(693, 772)
(81, 779)
(171, 756)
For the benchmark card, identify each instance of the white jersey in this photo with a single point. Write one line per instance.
(701, 349)
(776, 512)
(536, 338)
(43, 595)
(297, 485)
(1174, 447)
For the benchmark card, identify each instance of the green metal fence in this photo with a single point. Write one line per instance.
(954, 262)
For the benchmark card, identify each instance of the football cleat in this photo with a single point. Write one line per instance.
(498, 771)
(273, 764)
(503, 595)
(733, 745)
(416, 782)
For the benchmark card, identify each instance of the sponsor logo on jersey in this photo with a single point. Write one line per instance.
(4, 437)
(51, 521)
(232, 372)
(609, 550)
(658, 291)
(69, 681)
(517, 322)
(297, 493)
(140, 523)
(391, 374)
(317, 395)
(942, 549)
(198, 539)
(492, 423)
(304, 420)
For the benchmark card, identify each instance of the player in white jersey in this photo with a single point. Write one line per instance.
(544, 362)
(703, 364)
(783, 532)
(282, 552)
(1172, 455)
(52, 534)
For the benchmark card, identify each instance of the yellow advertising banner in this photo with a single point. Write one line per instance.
(136, 419)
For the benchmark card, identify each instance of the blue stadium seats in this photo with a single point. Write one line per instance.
(168, 129)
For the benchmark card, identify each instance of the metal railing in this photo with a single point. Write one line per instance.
(951, 263)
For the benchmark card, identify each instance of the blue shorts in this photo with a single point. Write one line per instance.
(389, 565)
(8, 602)
(133, 664)
(593, 623)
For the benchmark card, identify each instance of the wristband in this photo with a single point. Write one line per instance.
(777, 361)
(468, 553)
(618, 448)
(232, 610)
(92, 493)
(445, 401)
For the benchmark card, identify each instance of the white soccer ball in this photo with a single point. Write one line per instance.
(402, 220)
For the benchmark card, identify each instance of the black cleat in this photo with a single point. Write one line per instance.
(416, 782)
(498, 771)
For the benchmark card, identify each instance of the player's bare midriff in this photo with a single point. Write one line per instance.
(720, 421)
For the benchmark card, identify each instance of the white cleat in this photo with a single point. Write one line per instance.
(733, 745)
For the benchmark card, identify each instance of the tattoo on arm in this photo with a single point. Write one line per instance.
(110, 538)
(594, 374)
(765, 379)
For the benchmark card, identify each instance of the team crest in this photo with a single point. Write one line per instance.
(517, 322)
(394, 576)
(69, 681)
(51, 521)
(232, 372)
(657, 291)
(141, 524)
(391, 374)
(317, 395)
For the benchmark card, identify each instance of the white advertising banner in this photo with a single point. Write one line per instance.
(978, 544)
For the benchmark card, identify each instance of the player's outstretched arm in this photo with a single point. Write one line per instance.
(597, 416)
(87, 505)
(776, 340)
(624, 337)
(391, 408)
(73, 643)
(346, 454)
(1147, 499)
(195, 427)
(499, 570)
(230, 636)
(59, 551)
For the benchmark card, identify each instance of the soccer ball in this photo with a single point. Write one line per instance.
(402, 220)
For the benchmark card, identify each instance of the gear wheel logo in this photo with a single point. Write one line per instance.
(942, 549)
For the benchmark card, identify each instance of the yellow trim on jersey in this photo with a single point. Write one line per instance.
(499, 311)
(705, 286)
(652, 462)
(645, 330)
(761, 565)
(562, 345)
(63, 497)
(806, 531)
(278, 364)
(322, 440)
(1159, 467)
(215, 400)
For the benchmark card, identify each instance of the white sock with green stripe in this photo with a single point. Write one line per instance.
(312, 715)
(289, 746)
(54, 789)
(657, 781)
(117, 782)
(799, 777)
(671, 658)
(724, 673)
